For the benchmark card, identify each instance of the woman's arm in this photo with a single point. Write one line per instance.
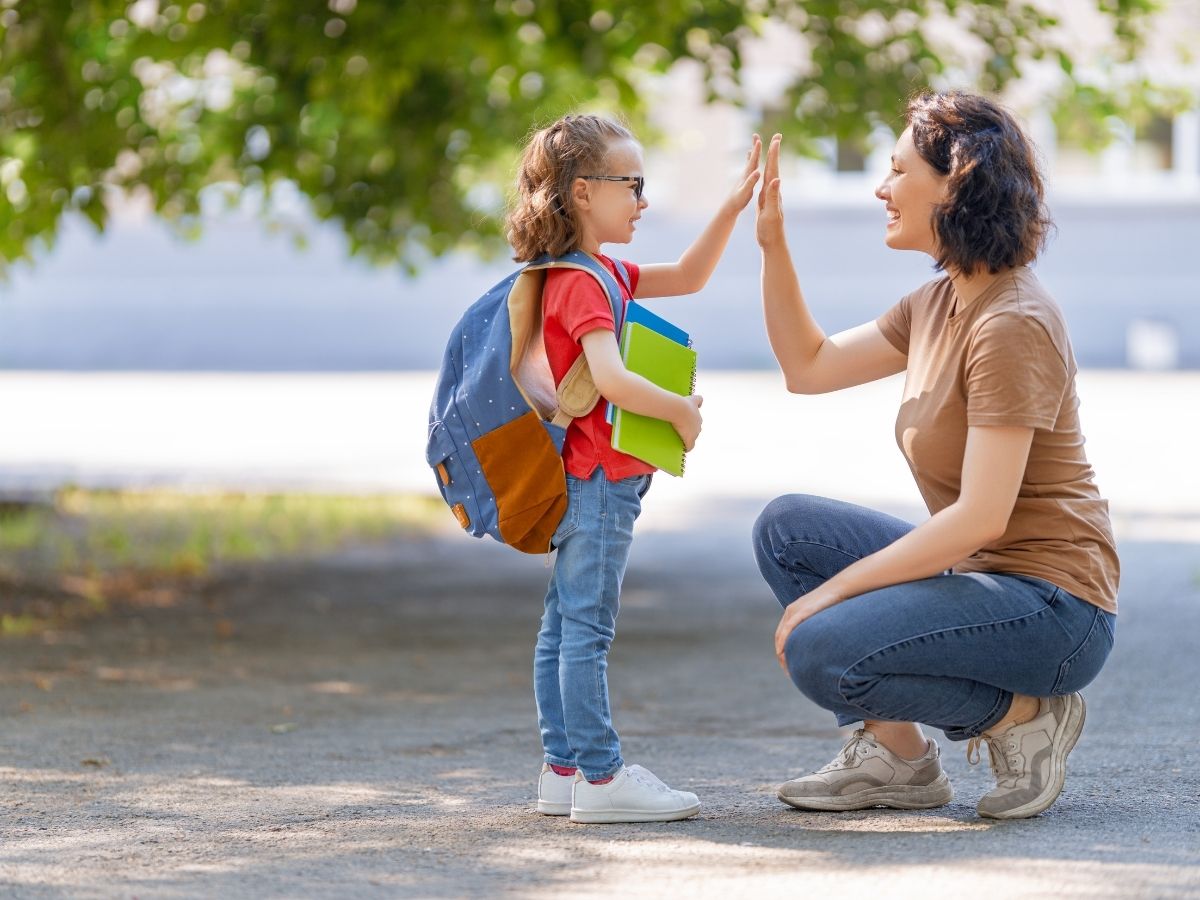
(811, 362)
(993, 468)
(692, 271)
(634, 393)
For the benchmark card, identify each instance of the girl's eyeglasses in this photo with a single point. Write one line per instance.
(639, 181)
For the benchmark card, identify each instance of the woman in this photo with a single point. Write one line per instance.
(987, 619)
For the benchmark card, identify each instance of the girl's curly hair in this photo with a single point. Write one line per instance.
(543, 218)
(995, 213)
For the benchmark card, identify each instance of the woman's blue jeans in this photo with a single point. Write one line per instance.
(570, 664)
(948, 651)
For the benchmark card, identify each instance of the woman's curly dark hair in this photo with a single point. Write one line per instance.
(995, 213)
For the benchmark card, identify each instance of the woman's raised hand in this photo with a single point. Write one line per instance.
(769, 221)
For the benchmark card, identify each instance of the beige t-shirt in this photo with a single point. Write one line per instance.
(1005, 360)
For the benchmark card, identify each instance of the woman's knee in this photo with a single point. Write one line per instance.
(776, 525)
(813, 663)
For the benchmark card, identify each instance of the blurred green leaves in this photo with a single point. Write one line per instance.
(400, 119)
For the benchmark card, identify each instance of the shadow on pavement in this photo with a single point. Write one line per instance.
(367, 721)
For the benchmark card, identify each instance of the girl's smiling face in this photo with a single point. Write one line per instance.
(609, 209)
(910, 191)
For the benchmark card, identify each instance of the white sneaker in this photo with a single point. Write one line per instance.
(634, 795)
(554, 792)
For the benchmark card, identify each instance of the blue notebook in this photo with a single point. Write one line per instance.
(635, 312)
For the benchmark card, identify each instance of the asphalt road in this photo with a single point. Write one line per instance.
(364, 727)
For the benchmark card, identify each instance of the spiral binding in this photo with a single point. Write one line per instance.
(691, 391)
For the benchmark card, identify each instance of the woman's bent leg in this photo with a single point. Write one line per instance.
(948, 651)
(801, 541)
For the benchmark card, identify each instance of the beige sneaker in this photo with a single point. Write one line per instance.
(1030, 760)
(867, 774)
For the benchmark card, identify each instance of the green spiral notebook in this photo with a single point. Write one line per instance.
(672, 367)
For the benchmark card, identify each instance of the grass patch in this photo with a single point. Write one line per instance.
(84, 547)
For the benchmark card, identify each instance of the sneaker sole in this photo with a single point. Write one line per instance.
(1069, 731)
(546, 808)
(615, 816)
(930, 796)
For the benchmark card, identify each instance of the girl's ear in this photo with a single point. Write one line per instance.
(579, 193)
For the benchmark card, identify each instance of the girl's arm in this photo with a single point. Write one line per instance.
(993, 467)
(811, 362)
(694, 268)
(633, 392)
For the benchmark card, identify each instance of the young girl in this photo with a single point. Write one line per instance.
(580, 186)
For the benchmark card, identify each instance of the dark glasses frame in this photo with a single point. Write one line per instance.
(639, 181)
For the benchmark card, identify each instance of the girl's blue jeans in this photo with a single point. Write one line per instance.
(948, 651)
(570, 664)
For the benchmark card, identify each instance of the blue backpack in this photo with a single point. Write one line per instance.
(497, 422)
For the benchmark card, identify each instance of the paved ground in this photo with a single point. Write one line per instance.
(364, 726)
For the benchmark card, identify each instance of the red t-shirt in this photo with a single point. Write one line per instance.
(573, 303)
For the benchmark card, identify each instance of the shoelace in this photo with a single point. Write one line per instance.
(1003, 759)
(858, 746)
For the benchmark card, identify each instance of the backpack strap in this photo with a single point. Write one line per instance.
(624, 274)
(577, 393)
(578, 259)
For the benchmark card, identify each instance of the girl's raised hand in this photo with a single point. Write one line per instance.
(745, 190)
(769, 222)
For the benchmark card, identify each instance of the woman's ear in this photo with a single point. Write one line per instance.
(579, 193)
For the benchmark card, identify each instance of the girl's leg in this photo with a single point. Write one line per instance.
(555, 746)
(545, 684)
(587, 578)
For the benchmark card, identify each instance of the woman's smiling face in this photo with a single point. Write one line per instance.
(910, 191)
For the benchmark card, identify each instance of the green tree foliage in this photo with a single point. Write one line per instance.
(393, 116)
